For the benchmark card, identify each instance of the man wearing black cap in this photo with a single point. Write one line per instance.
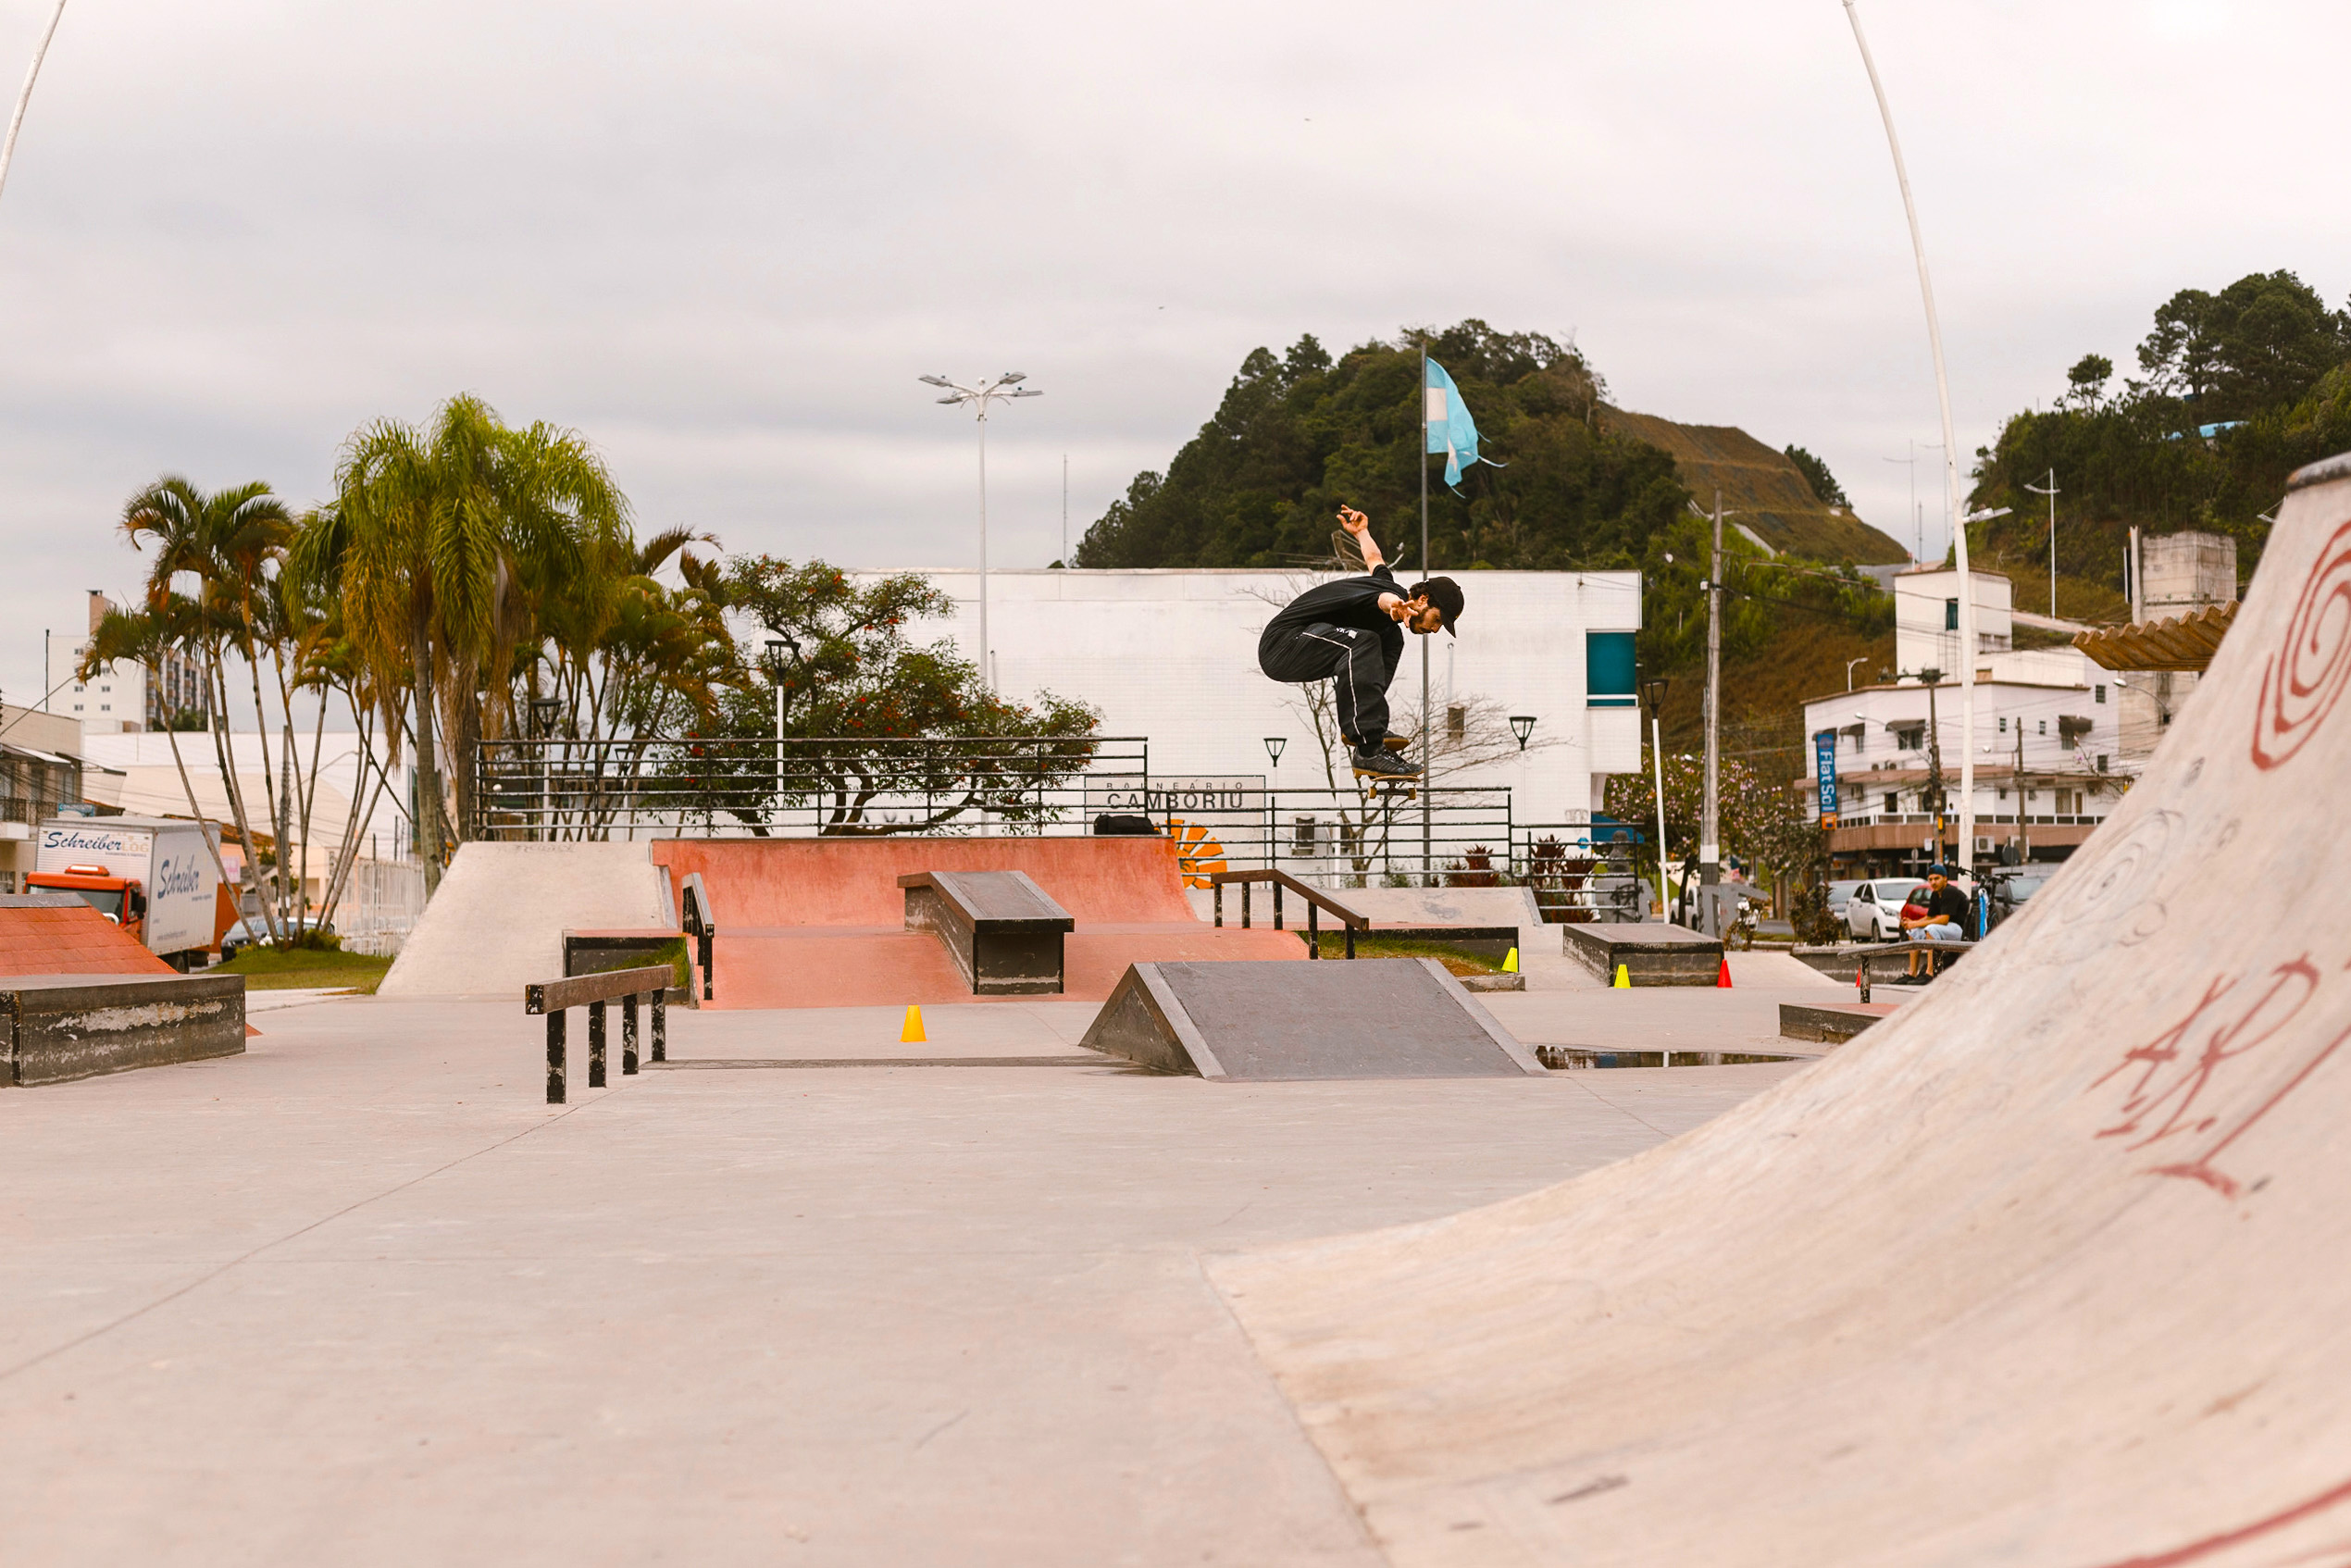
(1346, 632)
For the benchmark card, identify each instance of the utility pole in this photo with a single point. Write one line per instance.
(1933, 758)
(1710, 838)
(2052, 493)
(2023, 818)
(1064, 509)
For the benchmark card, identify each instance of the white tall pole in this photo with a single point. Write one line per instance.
(1950, 461)
(15, 121)
(1657, 765)
(987, 673)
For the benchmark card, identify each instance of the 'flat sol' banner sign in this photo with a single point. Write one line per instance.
(1825, 755)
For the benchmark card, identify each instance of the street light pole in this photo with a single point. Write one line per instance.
(980, 396)
(2052, 493)
(1955, 509)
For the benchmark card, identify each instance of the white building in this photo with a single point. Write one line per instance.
(120, 696)
(1926, 620)
(1172, 656)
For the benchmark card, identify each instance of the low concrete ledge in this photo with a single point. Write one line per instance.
(1829, 1022)
(55, 1028)
(1002, 930)
(1652, 953)
(1839, 962)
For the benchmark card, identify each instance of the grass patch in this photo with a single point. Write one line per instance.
(271, 969)
(672, 954)
(1458, 962)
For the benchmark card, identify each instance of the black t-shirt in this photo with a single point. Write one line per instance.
(1949, 905)
(1350, 602)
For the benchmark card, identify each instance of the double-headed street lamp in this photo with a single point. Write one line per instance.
(1005, 386)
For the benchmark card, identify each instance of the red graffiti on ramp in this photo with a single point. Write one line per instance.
(2167, 1100)
(2305, 676)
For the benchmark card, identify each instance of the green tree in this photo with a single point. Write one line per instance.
(2262, 355)
(1299, 434)
(850, 680)
(2263, 341)
(1816, 474)
(2086, 384)
(444, 538)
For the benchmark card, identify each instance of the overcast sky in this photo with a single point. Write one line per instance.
(722, 239)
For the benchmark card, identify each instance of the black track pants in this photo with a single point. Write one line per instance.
(1348, 657)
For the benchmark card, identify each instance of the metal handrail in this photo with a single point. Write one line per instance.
(697, 920)
(1316, 901)
(553, 998)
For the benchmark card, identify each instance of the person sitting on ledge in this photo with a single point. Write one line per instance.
(1946, 908)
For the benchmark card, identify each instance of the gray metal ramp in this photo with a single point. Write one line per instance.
(1368, 1018)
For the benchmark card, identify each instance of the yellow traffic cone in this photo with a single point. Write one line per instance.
(1623, 979)
(1510, 962)
(912, 1033)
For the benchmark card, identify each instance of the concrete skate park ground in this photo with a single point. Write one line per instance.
(357, 1296)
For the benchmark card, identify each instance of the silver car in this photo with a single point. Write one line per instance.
(1874, 911)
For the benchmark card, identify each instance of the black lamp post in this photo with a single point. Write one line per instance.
(1274, 744)
(542, 716)
(1522, 726)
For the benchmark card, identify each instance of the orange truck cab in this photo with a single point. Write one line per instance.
(119, 899)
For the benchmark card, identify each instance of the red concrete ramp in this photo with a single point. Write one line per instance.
(2051, 1269)
(854, 881)
(821, 922)
(59, 934)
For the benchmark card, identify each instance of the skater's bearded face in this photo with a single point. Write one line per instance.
(1423, 616)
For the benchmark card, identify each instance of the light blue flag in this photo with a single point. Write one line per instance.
(1450, 428)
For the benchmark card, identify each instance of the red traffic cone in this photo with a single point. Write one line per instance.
(1722, 978)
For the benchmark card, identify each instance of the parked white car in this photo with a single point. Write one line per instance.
(1874, 911)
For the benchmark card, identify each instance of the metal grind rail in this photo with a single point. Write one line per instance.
(555, 998)
(1316, 902)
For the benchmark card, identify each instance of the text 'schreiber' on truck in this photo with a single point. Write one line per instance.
(152, 875)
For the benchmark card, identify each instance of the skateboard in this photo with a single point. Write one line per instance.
(1385, 787)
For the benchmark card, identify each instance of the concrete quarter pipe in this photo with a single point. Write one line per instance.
(2053, 1268)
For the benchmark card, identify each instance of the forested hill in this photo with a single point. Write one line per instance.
(2236, 390)
(1299, 436)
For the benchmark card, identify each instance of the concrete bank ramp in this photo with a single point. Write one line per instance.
(1348, 1018)
(498, 920)
(2051, 1269)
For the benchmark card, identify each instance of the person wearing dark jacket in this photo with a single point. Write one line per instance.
(1348, 632)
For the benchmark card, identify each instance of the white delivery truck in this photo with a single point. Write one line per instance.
(152, 875)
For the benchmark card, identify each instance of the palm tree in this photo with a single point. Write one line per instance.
(232, 544)
(444, 532)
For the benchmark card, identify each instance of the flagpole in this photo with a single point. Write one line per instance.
(1428, 762)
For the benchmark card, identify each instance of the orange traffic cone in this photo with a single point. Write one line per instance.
(1722, 978)
(912, 1033)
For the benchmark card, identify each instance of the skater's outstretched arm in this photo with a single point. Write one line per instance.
(1355, 522)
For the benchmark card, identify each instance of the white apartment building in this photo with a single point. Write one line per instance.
(120, 696)
(2052, 759)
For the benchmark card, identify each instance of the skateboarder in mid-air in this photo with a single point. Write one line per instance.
(1347, 632)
